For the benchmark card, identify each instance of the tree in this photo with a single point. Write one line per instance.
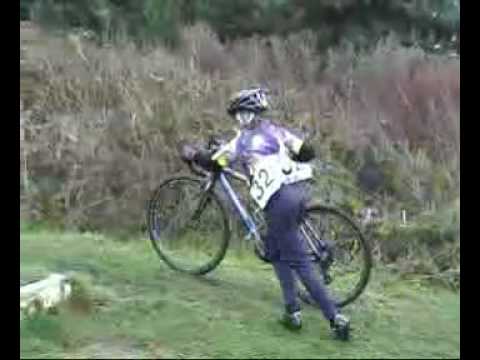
(25, 6)
(361, 22)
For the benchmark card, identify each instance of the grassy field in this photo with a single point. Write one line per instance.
(143, 309)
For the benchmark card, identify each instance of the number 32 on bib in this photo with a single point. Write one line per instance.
(270, 174)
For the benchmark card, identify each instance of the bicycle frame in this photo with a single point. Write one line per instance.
(245, 216)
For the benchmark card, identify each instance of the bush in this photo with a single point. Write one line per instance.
(428, 244)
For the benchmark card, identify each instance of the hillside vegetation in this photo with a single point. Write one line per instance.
(108, 89)
(100, 127)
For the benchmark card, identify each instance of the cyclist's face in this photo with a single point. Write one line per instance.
(245, 119)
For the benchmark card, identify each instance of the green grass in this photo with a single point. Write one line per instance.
(143, 309)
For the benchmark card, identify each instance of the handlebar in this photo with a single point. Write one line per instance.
(213, 145)
(198, 170)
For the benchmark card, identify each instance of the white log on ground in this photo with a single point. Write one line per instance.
(44, 294)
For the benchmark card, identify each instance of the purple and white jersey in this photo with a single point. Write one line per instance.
(264, 153)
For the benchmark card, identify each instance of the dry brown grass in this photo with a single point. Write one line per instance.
(99, 126)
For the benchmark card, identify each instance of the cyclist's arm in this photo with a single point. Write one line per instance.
(301, 150)
(227, 153)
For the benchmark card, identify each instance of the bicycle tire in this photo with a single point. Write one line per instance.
(365, 273)
(154, 236)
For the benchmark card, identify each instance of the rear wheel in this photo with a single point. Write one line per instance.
(188, 227)
(340, 251)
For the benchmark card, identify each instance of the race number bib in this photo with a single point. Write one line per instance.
(271, 172)
(267, 178)
(299, 172)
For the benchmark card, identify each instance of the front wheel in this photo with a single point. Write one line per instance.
(340, 251)
(188, 227)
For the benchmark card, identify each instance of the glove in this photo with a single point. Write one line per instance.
(204, 159)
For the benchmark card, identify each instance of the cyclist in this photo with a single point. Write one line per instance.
(276, 161)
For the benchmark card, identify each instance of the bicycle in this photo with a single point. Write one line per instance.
(184, 235)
